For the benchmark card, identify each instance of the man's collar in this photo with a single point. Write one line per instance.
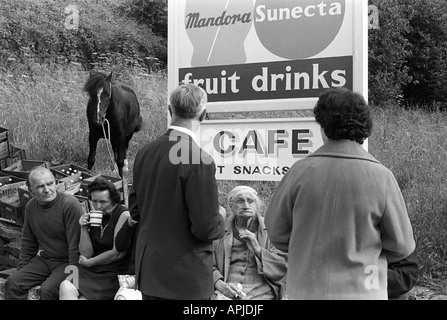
(186, 131)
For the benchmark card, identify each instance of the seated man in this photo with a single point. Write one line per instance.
(246, 265)
(50, 238)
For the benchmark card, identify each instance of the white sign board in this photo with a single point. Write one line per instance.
(259, 150)
(262, 55)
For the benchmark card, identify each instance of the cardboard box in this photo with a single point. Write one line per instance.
(9, 189)
(22, 168)
(69, 169)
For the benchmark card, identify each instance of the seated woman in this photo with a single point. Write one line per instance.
(246, 265)
(99, 261)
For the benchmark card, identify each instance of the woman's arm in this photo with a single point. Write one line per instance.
(110, 255)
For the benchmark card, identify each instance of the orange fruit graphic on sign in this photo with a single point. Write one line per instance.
(298, 29)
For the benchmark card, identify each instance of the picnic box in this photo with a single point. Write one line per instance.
(69, 169)
(22, 168)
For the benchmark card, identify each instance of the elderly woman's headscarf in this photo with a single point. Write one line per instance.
(239, 189)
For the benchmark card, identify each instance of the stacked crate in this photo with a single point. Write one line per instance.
(9, 198)
(8, 152)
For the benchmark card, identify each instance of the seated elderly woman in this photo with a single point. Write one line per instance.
(246, 265)
(100, 262)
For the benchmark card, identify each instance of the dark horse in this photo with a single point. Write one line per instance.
(118, 104)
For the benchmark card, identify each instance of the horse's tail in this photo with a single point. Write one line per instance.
(139, 124)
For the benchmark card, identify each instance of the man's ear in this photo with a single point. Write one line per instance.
(170, 111)
(202, 116)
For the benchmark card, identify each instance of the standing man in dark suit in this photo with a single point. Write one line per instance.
(174, 199)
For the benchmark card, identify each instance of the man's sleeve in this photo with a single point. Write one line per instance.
(278, 216)
(73, 229)
(201, 195)
(397, 232)
(30, 244)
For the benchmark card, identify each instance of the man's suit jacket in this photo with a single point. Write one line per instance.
(174, 197)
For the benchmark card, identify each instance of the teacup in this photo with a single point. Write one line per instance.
(95, 218)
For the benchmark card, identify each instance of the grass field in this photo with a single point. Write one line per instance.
(46, 113)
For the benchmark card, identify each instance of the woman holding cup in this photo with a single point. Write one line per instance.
(99, 262)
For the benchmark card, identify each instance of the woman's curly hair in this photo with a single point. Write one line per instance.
(102, 184)
(343, 114)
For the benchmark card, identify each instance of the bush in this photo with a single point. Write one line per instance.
(34, 32)
(408, 53)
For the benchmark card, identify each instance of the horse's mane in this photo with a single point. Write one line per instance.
(95, 82)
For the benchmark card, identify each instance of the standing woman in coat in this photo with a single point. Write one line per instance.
(339, 213)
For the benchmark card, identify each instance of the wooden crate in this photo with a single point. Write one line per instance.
(4, 149)
(22, 168)
(4, 134)
(15, 155)
(69, 169)
(24, 196)
(12, 213)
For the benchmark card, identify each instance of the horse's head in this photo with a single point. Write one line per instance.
(100, 90)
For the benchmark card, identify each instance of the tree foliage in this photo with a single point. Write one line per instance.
(153, 13)
(408, 52)
(34, 32)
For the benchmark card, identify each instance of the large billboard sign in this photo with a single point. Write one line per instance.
(263, 55)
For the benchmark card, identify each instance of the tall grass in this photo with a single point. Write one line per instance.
(413, 144)
(46, 114)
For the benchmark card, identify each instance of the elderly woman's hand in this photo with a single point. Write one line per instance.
(230, 290)
(250, 238)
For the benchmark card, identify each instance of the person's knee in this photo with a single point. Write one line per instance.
(11, 284)
(49, 291)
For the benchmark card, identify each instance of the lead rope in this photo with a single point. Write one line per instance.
(107, 137)
(125, 169)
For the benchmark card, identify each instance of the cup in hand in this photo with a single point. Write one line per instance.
(95, 218)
